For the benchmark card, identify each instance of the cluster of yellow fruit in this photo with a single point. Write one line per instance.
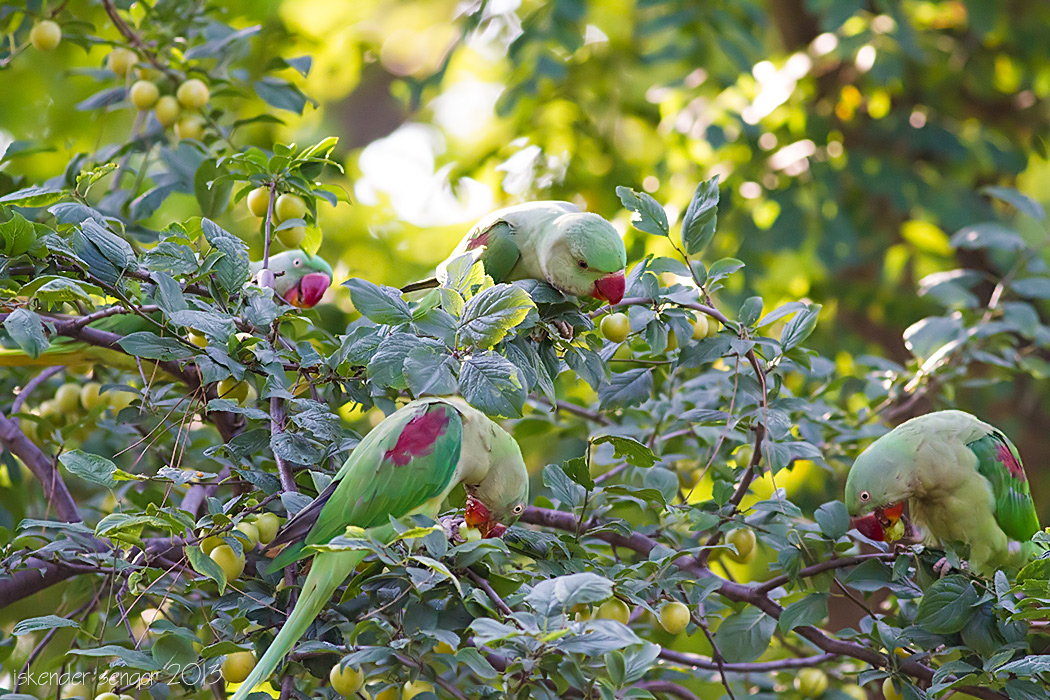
(144, 94)
(674, 616)
(252, 531)
(813, 683)
(616, 327)
(349, 681)
(68, 401)
(288, 206)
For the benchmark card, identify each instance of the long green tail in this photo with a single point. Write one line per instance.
(328, 571)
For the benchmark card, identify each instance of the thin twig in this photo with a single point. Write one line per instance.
(33, 384)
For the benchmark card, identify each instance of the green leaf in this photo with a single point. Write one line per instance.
(45, 622)
(494, 312)
(1021, 202)
(233, 269)
(213, 197)
(27, 331)
(35, 196)
(429, 370)
(723, 268)
(698, 223)
(750, 311)
(128, 657)
(17, 234)
(833, 519)
(810, 610)
(379, 304)
(89, 467)
(175, 258)
(556, 595)
(636, 454)
(577, 470)
(945, 607)
(628, 388)
(799, 327)
(279, 93)
(649, 215)
(154, 347)
(206, 566)
(563, 488)
(106, 254)
(54, 290)
(744, 636)
(490, 383)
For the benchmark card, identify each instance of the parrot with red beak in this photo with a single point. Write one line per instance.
(962, 480)
(407, 465)
(300, 279)
(577, 253)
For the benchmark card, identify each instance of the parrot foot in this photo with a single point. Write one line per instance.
(942, 567)
(564, 329)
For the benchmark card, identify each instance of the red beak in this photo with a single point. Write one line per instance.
(477, 515)
(611, 287)
(868, 525)
(309, 291)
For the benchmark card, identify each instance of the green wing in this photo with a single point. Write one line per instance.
(999, 462)
(409, 459)
(501, 252)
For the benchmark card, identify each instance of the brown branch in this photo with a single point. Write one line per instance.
(697, 661)
(575, 410)
(125, 29)
(32, 384)
(667, 688)
(482, 583)
(55, 491)
(823, 566)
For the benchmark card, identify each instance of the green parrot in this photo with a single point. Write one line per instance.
(407, 465)
(963, 481)
(299, 278)
(575, 252)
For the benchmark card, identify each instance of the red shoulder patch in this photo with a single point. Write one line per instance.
(1013, 465)
(418, 436)
(482, 239)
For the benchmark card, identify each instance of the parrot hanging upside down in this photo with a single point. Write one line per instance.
(407, 465)
(963, 481)
(300, 279)
(575, 252)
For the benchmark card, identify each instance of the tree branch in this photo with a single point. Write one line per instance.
(697, 661)
(55, 491)
(32, 384)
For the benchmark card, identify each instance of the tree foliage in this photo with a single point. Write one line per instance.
(791, 291)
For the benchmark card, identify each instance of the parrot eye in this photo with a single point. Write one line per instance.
(518, 509)
(297, 262)
(582, 264)
(864, 495)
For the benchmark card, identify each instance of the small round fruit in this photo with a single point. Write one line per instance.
(167, 110)
(45, 35)
(346, 680)
(468, 533)
(144, 94)
(49, 409)
(854, 691)
(28, 426)
(700, 327)
(581, 612)
(90, 398)
(672, 342)
(125, 696)
(68, 398)
(614, 609)
(121, 61)
(889, 691)
(250, 532)
(259, 201)
(190, 126)
(744, 539)
(198, 339)
(107, 696)
(119, 400)
(193, 94)
(444, 648)
(743, 454)
(291, 237)
(674, 617)
(811, 682)
(268, 525)
(616, 327)
(713, 327)
(232, 565)
(390, 693)
(290, 206)
(237, 666)
(210, 543)
(414, 688)
(233, 390)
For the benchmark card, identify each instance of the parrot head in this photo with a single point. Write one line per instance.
(587, 258)
(880, 482)
(301, 278)
(500, 498)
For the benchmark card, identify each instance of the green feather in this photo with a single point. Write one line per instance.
(999, 462)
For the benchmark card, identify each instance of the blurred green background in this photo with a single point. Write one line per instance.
(851, 139)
